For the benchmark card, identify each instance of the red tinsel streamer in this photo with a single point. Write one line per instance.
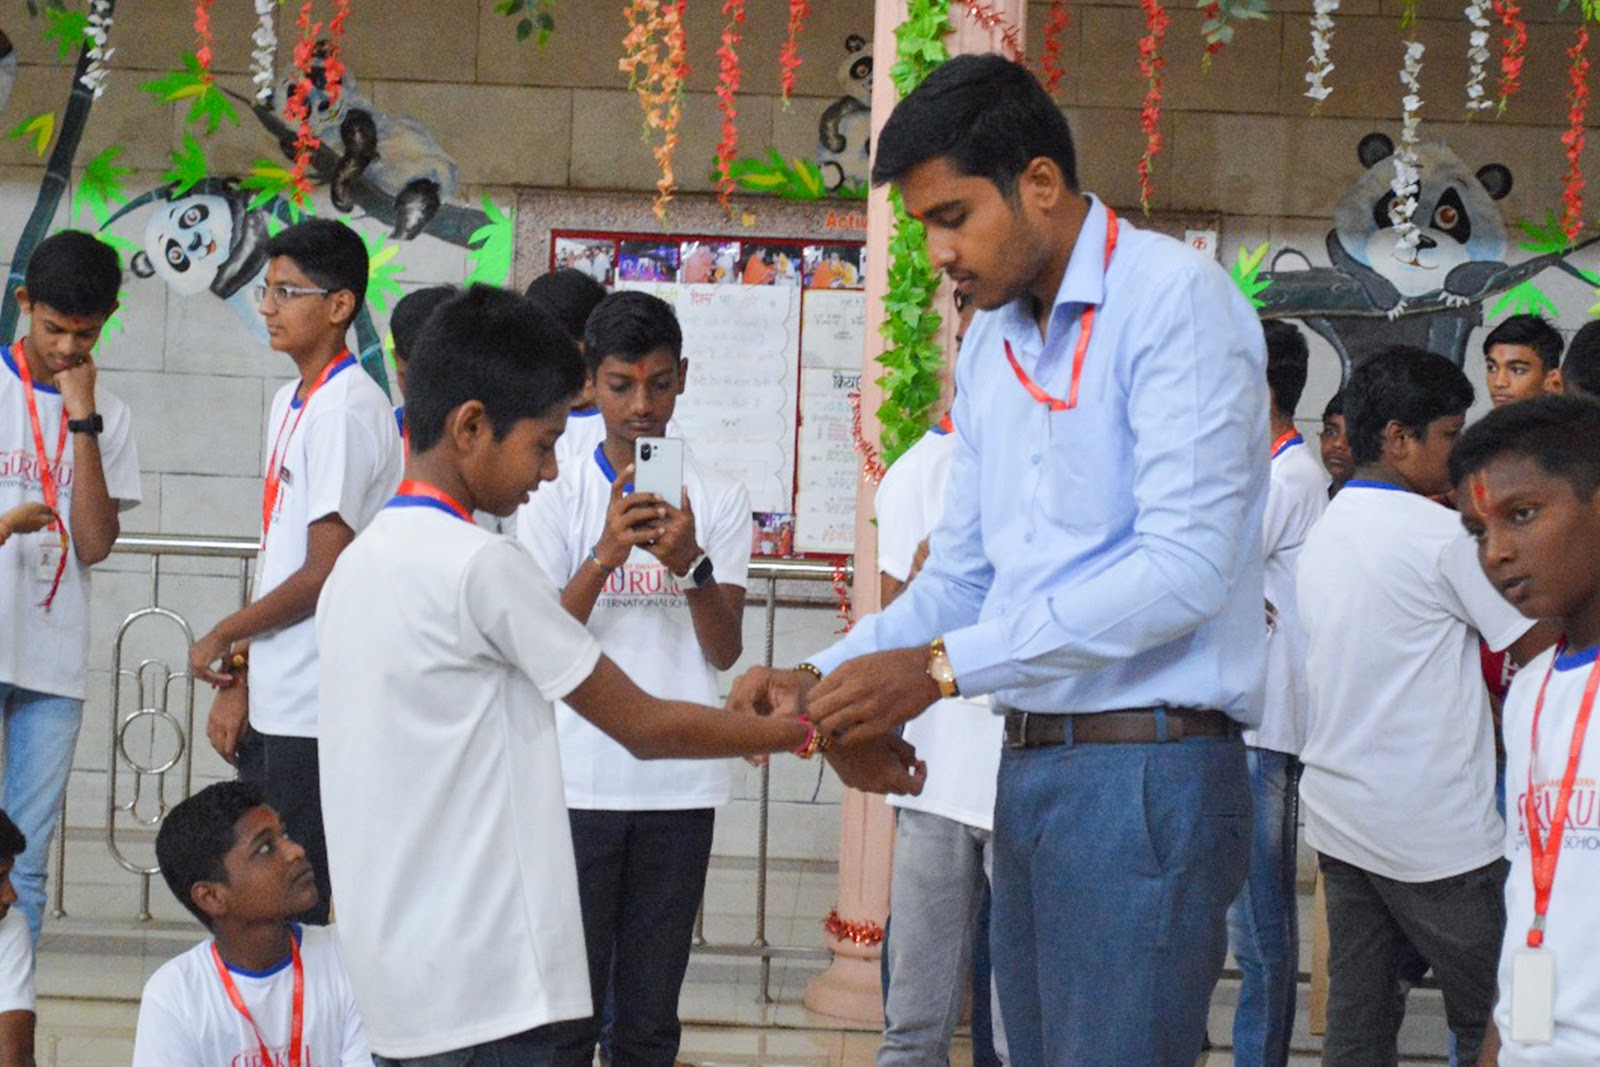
(1151, 64)
(1578, 104)
(862, 932)
(202, 33)
(789, 55)
(333, 65)
(1054, 27)
(727, 86)
(296, 110)
(1515, 43)
(998, 27)
(871, 468)
(841, 592)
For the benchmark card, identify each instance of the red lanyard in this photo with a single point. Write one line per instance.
(269, 499)
(1285, 439)
(1546, 853)
(1085, 328)
(297, 1014)
(47, 474)
(415, 494)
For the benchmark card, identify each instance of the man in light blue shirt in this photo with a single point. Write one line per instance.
(1097, 569)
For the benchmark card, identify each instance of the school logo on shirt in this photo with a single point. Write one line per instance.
(280, 1058)
(1583, 813)
(21, 467)
(643, 585)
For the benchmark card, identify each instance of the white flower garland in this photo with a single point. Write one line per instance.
(264, 58)
(1405, 183)
(1321, 41)
(1477, 12)
(98, 31)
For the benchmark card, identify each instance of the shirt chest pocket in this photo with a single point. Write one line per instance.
(1082, 471)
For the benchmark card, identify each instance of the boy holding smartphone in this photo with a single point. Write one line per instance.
(660, 583)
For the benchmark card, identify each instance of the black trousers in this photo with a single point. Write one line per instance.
(286, 771)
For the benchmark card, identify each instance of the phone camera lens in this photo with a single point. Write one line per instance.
(644, 451)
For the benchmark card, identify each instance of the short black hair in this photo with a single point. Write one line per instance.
(411, 312)
(1582, 367)
(570, 295)
(629, 326)
(196, 835)
(493, 346)
(12, 841)
(328, 252)
(1334, 406)
(1559, 433)
(1531, 331)
(1403, 384)
(1288, 358)
(988, 116)
(75, 274)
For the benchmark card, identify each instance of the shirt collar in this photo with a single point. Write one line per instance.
(1083, 282)
(11, 365)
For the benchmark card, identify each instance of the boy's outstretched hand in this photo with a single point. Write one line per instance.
(31, 517)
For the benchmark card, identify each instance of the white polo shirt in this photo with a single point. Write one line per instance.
(642, 622)
(340, 455)
(1297, 495)
(1399, 765)
(1572, 924)
(48, 651)
(959, 739)
(448, 839)
(16, 963)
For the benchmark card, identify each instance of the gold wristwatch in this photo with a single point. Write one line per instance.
(939, 669)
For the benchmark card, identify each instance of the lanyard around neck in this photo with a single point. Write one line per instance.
(47, 471)
(297, 1011)
(269, 498)
(416, 494)
(1547, 852)
(1085, 328)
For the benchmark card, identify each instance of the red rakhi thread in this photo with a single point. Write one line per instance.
(998, 27)
(297, 109)
(1573, 138)
(1151, 65)
(789, 55)
(203, 39)
(1515, 43)
(1055, 26)
(727, 86)
(857, 931)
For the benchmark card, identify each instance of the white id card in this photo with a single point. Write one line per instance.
(1533, 996)
(49, 557)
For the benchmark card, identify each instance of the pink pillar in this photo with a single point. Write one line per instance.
(850, 988)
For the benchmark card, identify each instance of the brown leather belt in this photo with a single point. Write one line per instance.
(1129, 726)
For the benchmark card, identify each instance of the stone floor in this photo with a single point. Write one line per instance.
(93, 963)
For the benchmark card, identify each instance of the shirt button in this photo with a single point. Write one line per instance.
(1028, 538)
(1036, 459)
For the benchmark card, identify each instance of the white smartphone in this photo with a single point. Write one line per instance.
(658, 468)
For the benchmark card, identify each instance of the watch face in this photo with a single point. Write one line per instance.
(702, 572)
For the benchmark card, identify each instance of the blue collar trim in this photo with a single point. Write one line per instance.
(1297, 439)
(11, 364)
(1373, 483)
(400, 417)
(1568, 661)
(296, 402)
(584, 413)
(607, 469)
(296, 932)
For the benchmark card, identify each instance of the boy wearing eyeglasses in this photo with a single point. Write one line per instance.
(333, 457)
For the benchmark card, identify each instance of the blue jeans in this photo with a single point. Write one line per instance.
(531, 1048)
(1263, 926)
(1113, 871)
(41, 734)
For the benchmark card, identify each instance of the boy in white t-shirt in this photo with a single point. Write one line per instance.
(332, 457)
(1398, 785)
(661, 585)
(1263, 925)
(16, 958)
(570, 295)
(452, 857)
(405, 322)
(51, 403)
(1528, 480)
(261, 989)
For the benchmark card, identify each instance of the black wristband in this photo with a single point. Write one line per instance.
(93, 425)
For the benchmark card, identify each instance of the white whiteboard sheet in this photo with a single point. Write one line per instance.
(825, 519)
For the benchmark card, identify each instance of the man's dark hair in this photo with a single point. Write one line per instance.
(629, 326)
(568, 294)
(1401, 384)
(197, 834)
(75, 274)
(493, 346)
(326, 251)
(411, 312)
(1288, 358)
(1531, 331)
(1581, 370)
(1334, 406)
(987, 115)
(1559, 433)
(12, 843)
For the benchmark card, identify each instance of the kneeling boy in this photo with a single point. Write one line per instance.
(263, 989)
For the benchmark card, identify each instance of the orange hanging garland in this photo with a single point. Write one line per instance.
(1515, 43)
(789, 55)
(203, 39)
(999, 28)
(1055, 26)
(727, 87)
(653, 56)
(1151, 65)
(297, 108)
(333, 64)
(1577, 106)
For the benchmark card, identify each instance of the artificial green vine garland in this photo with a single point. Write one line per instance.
(914, 357)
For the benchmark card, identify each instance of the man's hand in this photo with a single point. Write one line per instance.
(918, 558)
(764, 691)
(870, 696)
(26, 518)
(203, 654)
(77, 389)
(631, 519)
(675, 543)
(1489, 1054)
(883, 765)
(230, 714)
